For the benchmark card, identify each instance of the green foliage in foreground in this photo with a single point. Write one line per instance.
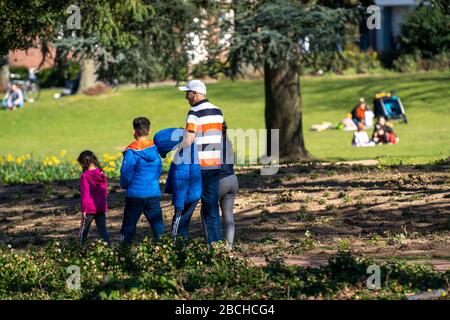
(168, 270)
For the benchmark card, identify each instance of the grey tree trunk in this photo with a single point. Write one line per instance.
(283, 111)
(88, 77)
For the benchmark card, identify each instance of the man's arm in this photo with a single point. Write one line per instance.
(188, 139)
(192, 123)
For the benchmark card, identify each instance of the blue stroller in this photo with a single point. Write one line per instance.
(390, 106)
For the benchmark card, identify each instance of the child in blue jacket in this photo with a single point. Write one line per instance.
(184, 179)
(139, 175)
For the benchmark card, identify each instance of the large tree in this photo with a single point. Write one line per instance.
(138, 40)
(22, 24)
(155, 37)
(271, 34)
(106, 27)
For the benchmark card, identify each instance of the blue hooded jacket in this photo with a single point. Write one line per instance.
(184, 180)
(141, 169)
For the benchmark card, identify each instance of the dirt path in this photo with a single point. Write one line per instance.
(302, 215)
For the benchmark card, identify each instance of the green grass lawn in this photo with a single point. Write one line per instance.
(103, 123)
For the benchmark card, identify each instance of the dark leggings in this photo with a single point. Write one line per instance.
(100, 222)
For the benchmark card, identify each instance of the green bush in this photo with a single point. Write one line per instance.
(58, 75)
(415, 62)
(361, 62)
(21, 71)
(426, 30)
(199, 71)
(440, 61)
(52, 77)
(170, 269)
(408, 63)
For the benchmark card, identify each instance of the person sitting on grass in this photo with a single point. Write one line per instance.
(360, 137)
(368, 117)
(347, 124)
(383, 133)
(93, 193)
(139, 176)
(13, 98)
(358, 112)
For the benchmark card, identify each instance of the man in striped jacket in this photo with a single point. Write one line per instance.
(204, 128)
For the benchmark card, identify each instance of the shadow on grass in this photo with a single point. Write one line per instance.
(45, 212)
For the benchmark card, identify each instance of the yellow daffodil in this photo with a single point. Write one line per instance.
(10, 158)
(47, 161)
(55, 160)
(63, 153)
(112, 164)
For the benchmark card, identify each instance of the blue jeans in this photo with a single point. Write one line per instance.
(132, 212)
(356, 121)
(100, 222)
(210, 208)
(5, 104)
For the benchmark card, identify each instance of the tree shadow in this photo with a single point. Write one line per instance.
(379, 200)
(391, 212)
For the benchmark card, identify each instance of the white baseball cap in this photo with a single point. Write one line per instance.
(194, 85)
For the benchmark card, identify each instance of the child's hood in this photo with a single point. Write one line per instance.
(167, 139)
(96, 177)
(144, 149)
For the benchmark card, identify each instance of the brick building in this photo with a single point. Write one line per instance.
(31, 58)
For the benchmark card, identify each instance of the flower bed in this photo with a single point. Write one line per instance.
(28, 169)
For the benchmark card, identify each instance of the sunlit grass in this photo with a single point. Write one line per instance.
(103, 123)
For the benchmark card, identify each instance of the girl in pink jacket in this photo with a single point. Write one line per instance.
(93, 193)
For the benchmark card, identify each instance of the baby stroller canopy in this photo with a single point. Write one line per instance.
(389, 106)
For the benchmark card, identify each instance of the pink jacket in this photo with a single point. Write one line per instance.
(93, 191)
